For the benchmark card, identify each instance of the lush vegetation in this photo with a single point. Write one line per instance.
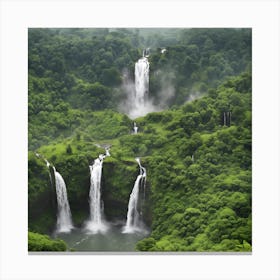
(73, 72)
(199, 170)
(39, 242)
(202, 203)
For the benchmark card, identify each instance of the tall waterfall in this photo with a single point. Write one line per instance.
(64, 219)
(138, 102)
(133, 221)
(96, 223)
(141, 81)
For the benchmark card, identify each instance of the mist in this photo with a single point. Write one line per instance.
(166, 88)
(159, 102)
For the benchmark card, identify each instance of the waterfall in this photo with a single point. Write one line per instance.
(138, 103)
(107, 152)
(141, 82)
(64, 217)
(47, 163)
(96, 223)
(51, 178)
(135, 128)
(133, 221)
(144, 176)
(64, 220)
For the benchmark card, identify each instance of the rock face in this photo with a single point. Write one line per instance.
(117, 181)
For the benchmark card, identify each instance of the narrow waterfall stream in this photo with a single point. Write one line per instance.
(141, 81)
(135, 128)
(64, 219)
(96, 222)
(139, 103)
(134, 222)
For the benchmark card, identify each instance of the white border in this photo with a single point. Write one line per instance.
(17, 16)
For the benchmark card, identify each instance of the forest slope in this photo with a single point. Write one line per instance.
(197, 150)
(199, 172)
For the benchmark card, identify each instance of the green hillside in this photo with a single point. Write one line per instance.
(198, 192)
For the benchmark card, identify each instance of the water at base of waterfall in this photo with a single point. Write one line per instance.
(112, 241)
(133, 229)
(93, 227)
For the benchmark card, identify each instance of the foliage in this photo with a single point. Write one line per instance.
(198, 169)
(75, 71)
(39, 242)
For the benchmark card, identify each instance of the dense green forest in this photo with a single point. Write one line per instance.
(198, 165)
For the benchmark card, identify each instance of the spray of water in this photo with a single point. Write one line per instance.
(138, 102)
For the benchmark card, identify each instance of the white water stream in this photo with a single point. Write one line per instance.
(96, 222)
(133, 221)
(64, 219)
(135, 128)
(139, 103)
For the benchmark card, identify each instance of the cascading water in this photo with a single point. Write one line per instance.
(143, 181)
(133, 222)
(135, 128)
(141, 81)
(64, 219)
(107, 152)
(47, 163)
(138, 103)
(51, 178)
(96, 223)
